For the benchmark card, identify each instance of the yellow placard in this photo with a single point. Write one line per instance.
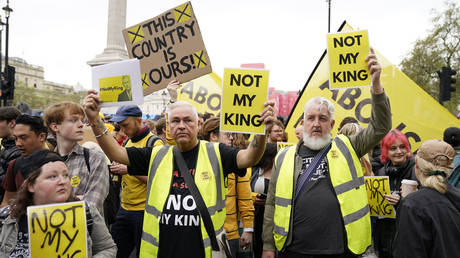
(347, 66)
(115, 89)
(411, 106)
(244, 94)
(281, 145)
(377, 187)
(204, 93)
(57, 230)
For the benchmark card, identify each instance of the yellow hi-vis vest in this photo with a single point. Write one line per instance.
(348, 182)
(209, 179)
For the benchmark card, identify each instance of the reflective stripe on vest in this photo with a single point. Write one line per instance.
(349, 188)
(283, 194)
(209, 180)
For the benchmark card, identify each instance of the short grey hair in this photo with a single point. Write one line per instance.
(321, 101)
(181, 104)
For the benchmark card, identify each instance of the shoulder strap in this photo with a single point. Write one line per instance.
(308, 173)
(151, 141)
(86, 155)
(89, 219)
(197, 196)
(125, 142)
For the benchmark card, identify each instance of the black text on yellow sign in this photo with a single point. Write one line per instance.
(243, 98)
(377, 187)
(347, 53)
(57, 230)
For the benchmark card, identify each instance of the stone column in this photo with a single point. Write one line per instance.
(115, 50)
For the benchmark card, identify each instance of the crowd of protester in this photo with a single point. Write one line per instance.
(304, 200)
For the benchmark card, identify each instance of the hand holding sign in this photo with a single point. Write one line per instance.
(268, 115)
(375, 69)
(392, 199)
(173, 87)
(91, 105)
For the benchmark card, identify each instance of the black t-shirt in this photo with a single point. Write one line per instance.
(318, 226)
(180, 232)
(22, 247)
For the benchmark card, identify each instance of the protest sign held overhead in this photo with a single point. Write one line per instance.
(411, 106)
(244, 94)
(118, 83)
(169, 46)
(204, 93)
(346, 53)
(377, 187)
(57, 230)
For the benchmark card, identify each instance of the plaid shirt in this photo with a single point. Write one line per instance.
(94, 185)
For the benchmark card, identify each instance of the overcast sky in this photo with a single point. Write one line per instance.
(289, 36)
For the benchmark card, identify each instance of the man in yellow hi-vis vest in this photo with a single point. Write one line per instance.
(329, 215)
(172, 224)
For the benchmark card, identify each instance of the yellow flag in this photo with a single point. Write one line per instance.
(414, 112)
(204, 93)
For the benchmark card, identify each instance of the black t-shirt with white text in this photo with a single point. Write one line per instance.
(180, 232)
(22, 247)
(317, 224)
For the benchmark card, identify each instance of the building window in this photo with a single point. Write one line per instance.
(35, 85)
(27, 81)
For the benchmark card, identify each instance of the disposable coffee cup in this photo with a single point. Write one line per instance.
(408, 186)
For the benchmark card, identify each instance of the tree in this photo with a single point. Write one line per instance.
(41, 99)
(441, 47)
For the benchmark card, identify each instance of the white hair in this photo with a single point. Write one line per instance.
(316, 144)
(321, 101)
(181, 104)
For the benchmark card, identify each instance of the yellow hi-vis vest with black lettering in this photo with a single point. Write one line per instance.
(348, 182)
(209, 179)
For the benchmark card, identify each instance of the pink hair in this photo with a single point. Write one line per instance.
(389, 140)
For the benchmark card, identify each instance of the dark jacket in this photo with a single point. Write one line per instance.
(429, 224)
(397, 173)
(8, 153)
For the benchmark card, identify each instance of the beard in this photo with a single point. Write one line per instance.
(316, 144)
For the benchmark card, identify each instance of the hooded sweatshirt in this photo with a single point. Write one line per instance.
(429, 224)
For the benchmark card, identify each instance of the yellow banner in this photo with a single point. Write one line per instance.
(57, 230)
(414, 112)
(347, 66)
(244, 94)
(204, 93)
(377, 187)
(115, 89)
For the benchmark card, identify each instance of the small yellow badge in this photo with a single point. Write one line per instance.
(205, 175)
(74, 181)
(334, 154)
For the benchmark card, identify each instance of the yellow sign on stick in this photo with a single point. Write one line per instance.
(377, 187)
(411, 106)
(57, 230)
(347, 66)
(244, 94)
(204, 93)
(281, 145)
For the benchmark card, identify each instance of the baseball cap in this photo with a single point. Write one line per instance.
(36, 160)
(437, 152)
(125, 112)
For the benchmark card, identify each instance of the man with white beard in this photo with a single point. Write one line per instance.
(317, 202)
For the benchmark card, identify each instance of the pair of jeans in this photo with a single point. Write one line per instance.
(127, 232)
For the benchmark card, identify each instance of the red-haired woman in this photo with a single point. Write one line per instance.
(398, 165)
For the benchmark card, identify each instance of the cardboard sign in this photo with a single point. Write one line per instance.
(169, 47)
(377, 187)
(347, 66)
(203, 93)
(244, 94)
(411, 106)
(57, 230)
(118, 83)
